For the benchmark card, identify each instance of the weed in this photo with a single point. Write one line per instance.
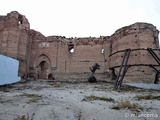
(92, 98)
(147, 97)
(32, 97)
(79, 116)
(126, 104)
(25, 117)
(1, 100)
(55, 85)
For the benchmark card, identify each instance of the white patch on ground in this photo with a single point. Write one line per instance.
(145, 86)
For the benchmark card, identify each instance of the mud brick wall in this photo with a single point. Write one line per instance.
(136, 36)
(14, 38)
(60, 57)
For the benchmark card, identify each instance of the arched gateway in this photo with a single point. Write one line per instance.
(43, 68)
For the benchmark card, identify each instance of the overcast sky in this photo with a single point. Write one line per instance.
(83, 18)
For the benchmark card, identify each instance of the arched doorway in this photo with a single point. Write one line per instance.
(43, 70)
(50, 77)
(43, 67)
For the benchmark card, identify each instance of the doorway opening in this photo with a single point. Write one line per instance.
(43, 70)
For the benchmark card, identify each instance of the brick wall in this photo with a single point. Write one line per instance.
(136, 36)
(14, 39)
(71, 57)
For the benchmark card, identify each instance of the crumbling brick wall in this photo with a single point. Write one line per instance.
(87, 51)
(14, 38)
(137, 37)
(58, 56)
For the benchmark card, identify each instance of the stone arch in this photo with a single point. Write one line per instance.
(34, 59)
(43, 66)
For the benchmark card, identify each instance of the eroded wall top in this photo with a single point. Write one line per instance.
(14, 39)
(134, 28)
(14, 19)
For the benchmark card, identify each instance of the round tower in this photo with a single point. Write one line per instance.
(138, 38)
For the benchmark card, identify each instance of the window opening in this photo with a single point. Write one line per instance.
(102, 51)
(71, 47)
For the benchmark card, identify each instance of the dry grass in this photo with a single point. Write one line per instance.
(147, 97)
(55, 85)
(1, 100)
(25, 117)
(92, 98)
(127, 105)
(32, 97)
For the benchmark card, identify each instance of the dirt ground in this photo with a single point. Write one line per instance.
(54, 100)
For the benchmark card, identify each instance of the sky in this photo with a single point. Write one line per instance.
(83, 18)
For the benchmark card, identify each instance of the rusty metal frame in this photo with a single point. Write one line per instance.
(154, 55)
(125, 67)
(132, 50)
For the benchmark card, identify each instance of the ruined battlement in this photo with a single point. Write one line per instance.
(36, 36)
(14, 19)
(134, 28)
(65, 58)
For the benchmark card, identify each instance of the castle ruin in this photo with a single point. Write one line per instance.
(70, 58)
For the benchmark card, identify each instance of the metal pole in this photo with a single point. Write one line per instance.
(121, 67)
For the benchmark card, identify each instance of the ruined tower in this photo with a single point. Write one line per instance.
(70, 58)
(14, 38)
(137, 37)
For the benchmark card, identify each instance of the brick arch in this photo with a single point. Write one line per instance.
(41, 58)
(43, 66)
(36, 56)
